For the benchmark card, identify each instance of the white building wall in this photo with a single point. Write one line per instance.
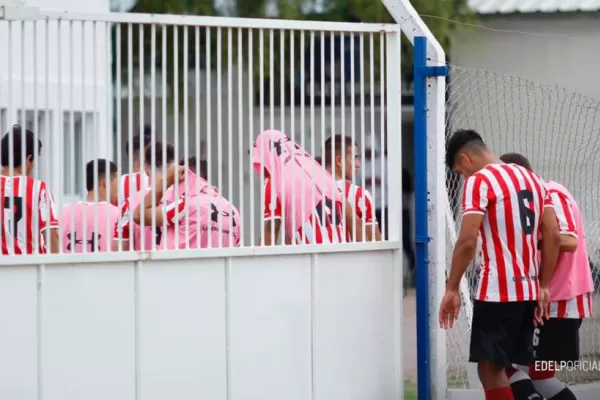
(54, 72)
(556, 125)
(560, 49)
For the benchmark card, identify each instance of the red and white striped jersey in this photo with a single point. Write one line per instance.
(578, 308)
(130, 184)
(318, 227)
(27, 210)
(511, 200)
(361, 201)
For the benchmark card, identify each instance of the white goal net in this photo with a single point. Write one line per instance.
(558, 130)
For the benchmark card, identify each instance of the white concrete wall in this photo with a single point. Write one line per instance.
(293, 326)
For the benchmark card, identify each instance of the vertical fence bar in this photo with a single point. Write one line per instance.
(393, 131)
(421, 229)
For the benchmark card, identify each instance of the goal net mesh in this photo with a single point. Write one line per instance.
(559, 131)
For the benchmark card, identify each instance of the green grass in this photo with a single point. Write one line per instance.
(410, 391)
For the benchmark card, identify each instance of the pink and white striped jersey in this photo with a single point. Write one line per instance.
(572, 284)
(129, 184)
(88, 226)
(360, 200)
(27, 210)
(324, 225)
(512, 201)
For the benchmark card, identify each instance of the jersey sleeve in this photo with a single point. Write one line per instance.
(475, 195)
(47, 210)
(548, 200)
(564, 213)
(365, 206)
(174, 211)
(123, 227)
(272, 206)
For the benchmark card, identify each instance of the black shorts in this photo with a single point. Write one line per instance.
(502, 333)
(557, 340)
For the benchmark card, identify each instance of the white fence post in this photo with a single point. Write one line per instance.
(412, 25)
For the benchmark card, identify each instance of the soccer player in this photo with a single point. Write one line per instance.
(27, 204)
(195, 213)
(312, 200)
(571, 291)
(136, 179)
(89, 225)
(341, 159)
(130, 230)
(199, 167)
(508, 206)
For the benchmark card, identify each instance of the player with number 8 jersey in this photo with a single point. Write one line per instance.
(299, 195)
(27, 204)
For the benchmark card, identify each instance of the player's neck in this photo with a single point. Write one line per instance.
(93, 197)
(336, 175)
(491, 159)
(6, 171)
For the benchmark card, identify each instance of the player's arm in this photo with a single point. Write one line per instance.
(565, 218)
(154, 197)
(550, 244)
(48, 219)
(271, 215)
(352, 219)
(122, 230)
(475, 202)
(272, 228)
(367, 210)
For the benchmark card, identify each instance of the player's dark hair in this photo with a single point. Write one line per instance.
(319, 160)
(164, 154)
(21, 143)
(516, 158)
(138, 143)
(194, 165)
(104, 168)
(460, 139)
(339, 143)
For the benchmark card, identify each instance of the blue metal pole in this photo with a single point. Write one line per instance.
(421, 73)
(421, 220)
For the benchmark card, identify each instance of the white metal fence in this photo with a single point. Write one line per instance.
(86, 86)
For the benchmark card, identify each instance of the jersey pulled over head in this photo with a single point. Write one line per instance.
(300, 182)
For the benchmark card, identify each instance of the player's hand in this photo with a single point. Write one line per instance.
(175, 173)
(541, 311)
(449, 309)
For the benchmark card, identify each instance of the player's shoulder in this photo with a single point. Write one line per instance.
(555, 187)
